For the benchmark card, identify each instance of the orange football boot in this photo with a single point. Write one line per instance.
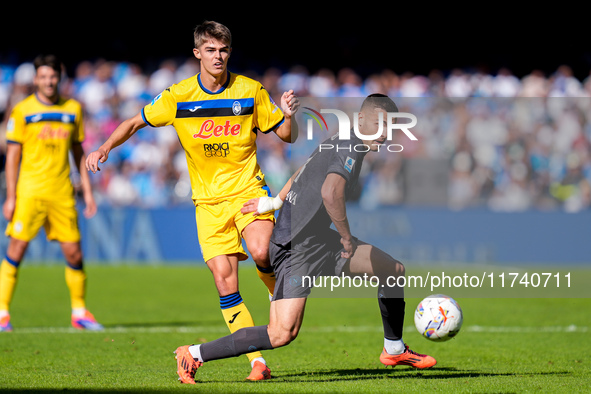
(5, 325)
(408, 357)
(86, 322)
(186, 364)
(259, 372)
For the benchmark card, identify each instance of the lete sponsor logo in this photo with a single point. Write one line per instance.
(210, 129)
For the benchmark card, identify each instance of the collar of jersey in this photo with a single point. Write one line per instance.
(216, 92)
(47, 104)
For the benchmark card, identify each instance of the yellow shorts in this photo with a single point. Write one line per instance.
(58, 217)
(220, 226)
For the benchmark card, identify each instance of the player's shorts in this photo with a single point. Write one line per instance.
(309, 257)
(58, 217)
(220, 226)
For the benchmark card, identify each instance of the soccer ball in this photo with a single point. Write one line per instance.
(438, 318)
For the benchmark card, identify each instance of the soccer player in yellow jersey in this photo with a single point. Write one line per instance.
(41, 131)
(218, 116)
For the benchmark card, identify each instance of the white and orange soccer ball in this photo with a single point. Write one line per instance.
(438, 318)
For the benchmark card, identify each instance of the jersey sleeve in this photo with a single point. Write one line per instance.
(161, 111)
(345, 163)
(268, 116)
(15, 128)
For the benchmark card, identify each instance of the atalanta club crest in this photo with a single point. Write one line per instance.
(236, 108)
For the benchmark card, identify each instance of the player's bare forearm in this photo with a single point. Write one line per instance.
(288, 131)
(122, 133)
(80, 159)
(333, 196)
(258, 206)
(13, 159)
(285, 189)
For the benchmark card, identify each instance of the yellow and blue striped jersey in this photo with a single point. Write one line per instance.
(218, 132)
(46, 133)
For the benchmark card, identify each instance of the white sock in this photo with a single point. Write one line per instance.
(79, 312)
(195, 351)
(394, 347)
(3, 313)
(257, 359)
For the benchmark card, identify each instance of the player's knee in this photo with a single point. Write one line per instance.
(16, 249)
(74, 258)
(389, 267)
(399, 269)
(394, 267)
(260, 255)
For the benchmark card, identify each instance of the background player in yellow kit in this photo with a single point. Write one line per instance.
(218, 116)
(41, 131)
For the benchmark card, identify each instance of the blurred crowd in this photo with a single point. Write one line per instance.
(510, 143)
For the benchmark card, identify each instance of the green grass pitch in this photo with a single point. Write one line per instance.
(506, 344)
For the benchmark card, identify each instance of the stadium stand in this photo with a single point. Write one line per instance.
(529, 162)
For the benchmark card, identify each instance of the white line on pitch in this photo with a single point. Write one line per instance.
(325, 329)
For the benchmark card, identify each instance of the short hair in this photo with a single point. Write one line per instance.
(48, 60)
(381, 101)
(210, 29)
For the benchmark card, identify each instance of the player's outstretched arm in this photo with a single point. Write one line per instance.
(288, 131)
(122, 133)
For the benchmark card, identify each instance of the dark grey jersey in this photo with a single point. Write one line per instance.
(303, 208)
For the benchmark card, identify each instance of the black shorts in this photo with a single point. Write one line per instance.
(296, 265)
